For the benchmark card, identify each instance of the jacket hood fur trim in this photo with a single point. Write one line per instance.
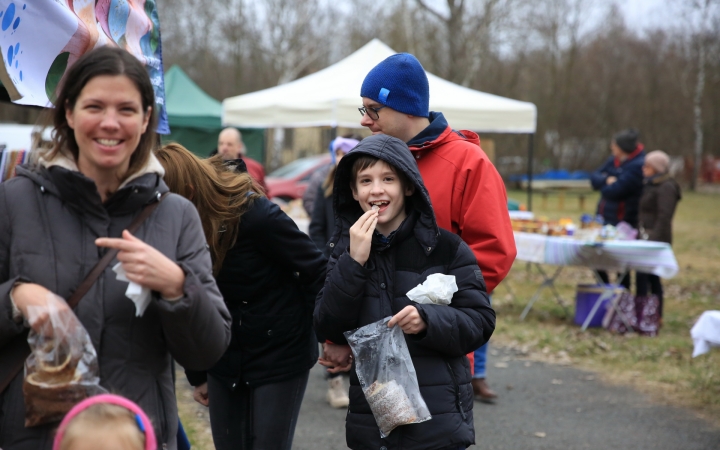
(152, 165)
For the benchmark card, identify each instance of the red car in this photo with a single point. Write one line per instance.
(291, 180)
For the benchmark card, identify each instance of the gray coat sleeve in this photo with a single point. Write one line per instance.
(197, 326)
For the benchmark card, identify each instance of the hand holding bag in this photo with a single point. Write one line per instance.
(14, 353)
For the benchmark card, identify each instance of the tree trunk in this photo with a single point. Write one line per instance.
(697, 110)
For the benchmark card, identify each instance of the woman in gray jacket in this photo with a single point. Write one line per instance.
(61, 214)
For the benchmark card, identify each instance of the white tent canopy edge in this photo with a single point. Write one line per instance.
(330, 97)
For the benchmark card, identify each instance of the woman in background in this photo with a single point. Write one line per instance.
(269, 273)
(322, 226)
(657, 208)
(322, 218)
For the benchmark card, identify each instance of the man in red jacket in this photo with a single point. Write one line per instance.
(467, 193)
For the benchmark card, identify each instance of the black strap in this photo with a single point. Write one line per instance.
(14, 353)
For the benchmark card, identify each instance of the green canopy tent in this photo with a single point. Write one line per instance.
(195, 118)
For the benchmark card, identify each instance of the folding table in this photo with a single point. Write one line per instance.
(612, 255)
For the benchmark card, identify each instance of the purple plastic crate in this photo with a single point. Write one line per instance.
(585, 298)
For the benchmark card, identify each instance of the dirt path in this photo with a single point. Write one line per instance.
(541, 406)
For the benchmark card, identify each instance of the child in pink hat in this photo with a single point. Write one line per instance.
(105, 422)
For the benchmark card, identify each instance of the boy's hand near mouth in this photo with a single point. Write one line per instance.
(361, 235)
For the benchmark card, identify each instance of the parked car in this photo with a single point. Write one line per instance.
(291, 180)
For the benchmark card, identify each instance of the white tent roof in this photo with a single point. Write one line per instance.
(331, 97)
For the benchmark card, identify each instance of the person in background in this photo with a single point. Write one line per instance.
(269, 273)
(232, 147)
(322, 226)
(105, 422)
(467, 192)
(322, 223)
(660, 197)
(63, 212)
(620, 182)
(319, 177)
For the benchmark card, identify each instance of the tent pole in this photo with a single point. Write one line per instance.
(531, 137)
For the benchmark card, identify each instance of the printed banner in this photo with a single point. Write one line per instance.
(41, 39)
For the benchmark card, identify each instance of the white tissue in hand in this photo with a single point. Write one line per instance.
(437, 289)
(138, 294)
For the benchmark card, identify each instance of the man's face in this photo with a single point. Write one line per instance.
(617, 151)
(229, 146)
(389, 121)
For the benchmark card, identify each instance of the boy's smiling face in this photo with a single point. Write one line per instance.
(380, 185)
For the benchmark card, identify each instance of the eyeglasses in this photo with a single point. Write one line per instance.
(374, 115)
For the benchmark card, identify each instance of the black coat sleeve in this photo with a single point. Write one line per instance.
(282, 241)
(318, 221)
(629, 183)
(469, 321)
(338, 304)
(599, 177)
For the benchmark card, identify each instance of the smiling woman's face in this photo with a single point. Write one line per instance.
(108, 122)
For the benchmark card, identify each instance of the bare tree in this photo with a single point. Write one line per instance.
(702, 17)
(468, 33)
(291, 35)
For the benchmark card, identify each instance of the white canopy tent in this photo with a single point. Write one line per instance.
(331, 97)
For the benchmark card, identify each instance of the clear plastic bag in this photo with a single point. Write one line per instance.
(62, 369)
(387, 375)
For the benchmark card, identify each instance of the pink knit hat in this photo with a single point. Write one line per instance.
(141, 418)
(658, 160)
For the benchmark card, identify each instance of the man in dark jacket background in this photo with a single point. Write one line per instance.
(620, 182)
(620, 179)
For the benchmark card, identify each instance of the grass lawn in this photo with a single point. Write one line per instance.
(661, 366)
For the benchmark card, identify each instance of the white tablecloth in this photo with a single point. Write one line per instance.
(644, 256)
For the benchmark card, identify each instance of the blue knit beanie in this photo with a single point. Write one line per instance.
(399, 82)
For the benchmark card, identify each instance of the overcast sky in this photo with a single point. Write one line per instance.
(648, 13)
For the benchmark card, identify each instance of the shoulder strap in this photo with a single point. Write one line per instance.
(14, 353)
(101, 265)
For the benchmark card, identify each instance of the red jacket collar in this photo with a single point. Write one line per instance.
(446, 136)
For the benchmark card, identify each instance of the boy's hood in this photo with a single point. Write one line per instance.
(394, 152)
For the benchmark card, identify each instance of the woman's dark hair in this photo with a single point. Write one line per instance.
(110, 61)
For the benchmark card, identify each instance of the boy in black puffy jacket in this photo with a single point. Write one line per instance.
(387, 242)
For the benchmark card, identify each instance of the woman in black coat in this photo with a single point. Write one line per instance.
(269, 274)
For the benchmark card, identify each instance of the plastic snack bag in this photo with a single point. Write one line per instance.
(62, 369)
(387, 375)
(437, 289)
